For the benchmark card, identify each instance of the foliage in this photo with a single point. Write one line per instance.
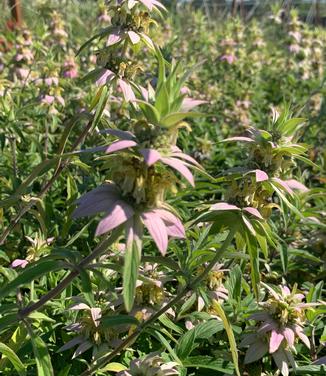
(162, 193)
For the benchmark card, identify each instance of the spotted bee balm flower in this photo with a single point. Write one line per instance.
(279, 324)
(160, 222)
(151, 365)
(171, 156)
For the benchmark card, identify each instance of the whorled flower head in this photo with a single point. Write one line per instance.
(39, 246)
(130, 23)
(147, 147)
(22, 73)
(273, 153)
(151, 365)
(91, 332)
(24, 55)
(70, 68)
(150, 285)
(229, 58)
(108, 77)
(58, 33)
(280, 322)
(103, 16)
(214, 284)
(52, 100)
(119, 210)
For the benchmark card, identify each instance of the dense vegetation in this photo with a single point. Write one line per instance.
(162, 192)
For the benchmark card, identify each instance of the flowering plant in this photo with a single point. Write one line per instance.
(120, 253)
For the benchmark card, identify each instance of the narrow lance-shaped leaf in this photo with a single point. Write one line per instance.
(13, 358)
(174, 118)
(132, 259)
(186, 343)
(100, 106)
(29, 274)
(233, 346)
(41, 353)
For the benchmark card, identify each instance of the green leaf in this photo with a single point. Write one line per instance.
(186, 344)
(169, 324)
(248, 224)
(150, 112)
(290, 126)
(166, 344)
(42, 357)
(100, 106)
(4, 256)
(175, 118)
(162, 101)
(233, 346)
(187, 305)
(316, 292)
(29, 274)
(283, 249)
(79, 233)
(291, 150)
(262, 244)
(40, 316)
(161, 66)
(207, 362)
(13, 358)
(65, 371)
(68, 128)
(39, 170)
(131, 260)
(307, 161)
(303, 254)
(207, 329)
(92, 75)
(8, 320)
(86, 286)
(311, 370)
(101, 34)
(286, 201)
(113, 367)
(234, 283)
(112, 321)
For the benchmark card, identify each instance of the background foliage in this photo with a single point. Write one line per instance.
(242, 70)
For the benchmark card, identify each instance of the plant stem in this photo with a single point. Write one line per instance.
(191, 286)
(73, 274)
(12, 141)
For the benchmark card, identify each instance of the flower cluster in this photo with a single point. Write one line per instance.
(142, 162)
(280, 323)
(271, 154)
(57, 29)
(151, 365)
(173, 265)
(38, 248)
(24, 56)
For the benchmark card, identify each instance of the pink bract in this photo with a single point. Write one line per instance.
(107, 198)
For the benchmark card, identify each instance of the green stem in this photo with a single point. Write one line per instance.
(191, 286)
